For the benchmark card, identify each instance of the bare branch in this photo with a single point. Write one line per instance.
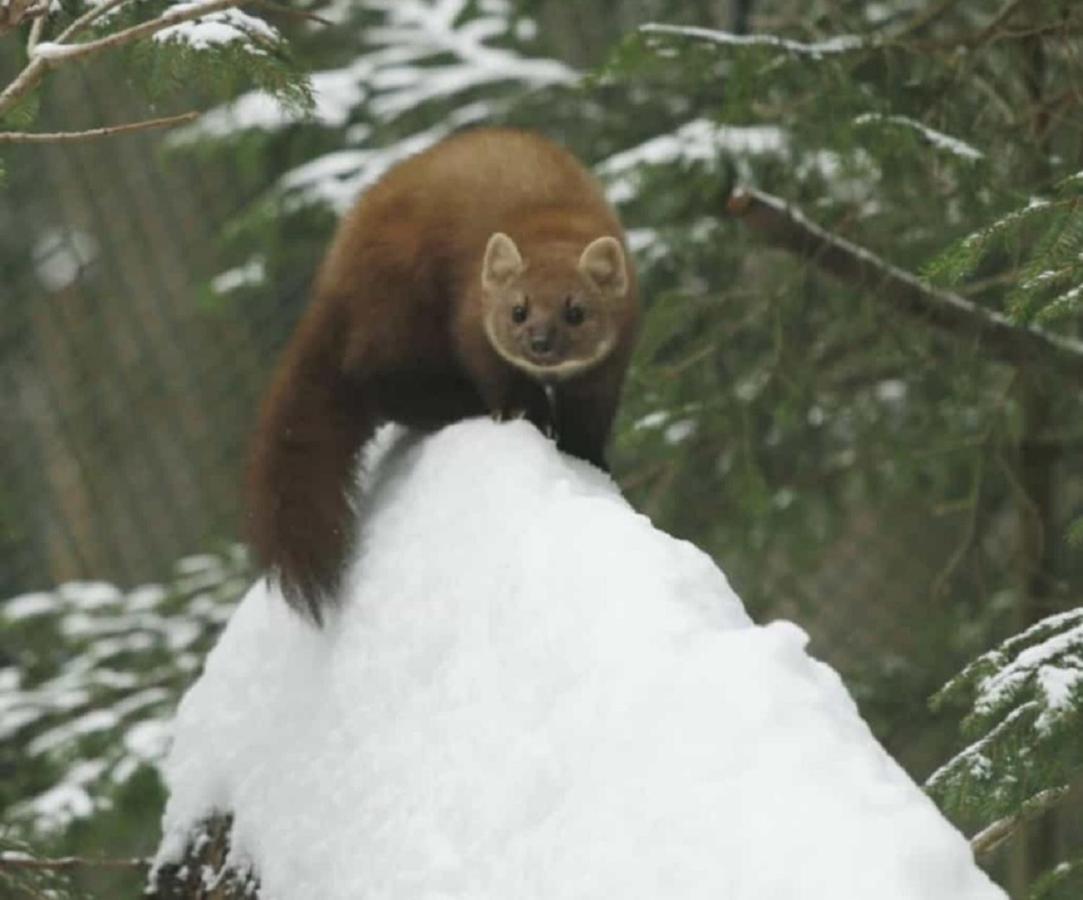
(56, 137)
(15, 12)
(1008, 10)
(35, 34)
(992, 836)
(28, 79)
(789, 229)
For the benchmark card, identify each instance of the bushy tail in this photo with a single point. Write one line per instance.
(314, 421)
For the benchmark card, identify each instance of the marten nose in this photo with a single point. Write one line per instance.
(541, 343)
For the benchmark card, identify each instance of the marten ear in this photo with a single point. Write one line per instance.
(603, 263)
(502, 262)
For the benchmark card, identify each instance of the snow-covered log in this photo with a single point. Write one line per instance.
(530, 692)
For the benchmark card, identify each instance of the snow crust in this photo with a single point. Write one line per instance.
(531, 692)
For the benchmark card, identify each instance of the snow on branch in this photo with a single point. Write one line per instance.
(423, 52)
(227, 26)
(1024, 721)
(168, 22)
(788, 228)
(937, 139)
(698, 141)
(1046, 661)
(417, 33)
(195, 27)
(846, 43)
(335, 179)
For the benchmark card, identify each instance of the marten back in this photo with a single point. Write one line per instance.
(439, 208)
(404, 326)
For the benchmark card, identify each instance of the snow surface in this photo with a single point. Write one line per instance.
(531, 692)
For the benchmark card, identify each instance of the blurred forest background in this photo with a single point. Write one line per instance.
(899, 483)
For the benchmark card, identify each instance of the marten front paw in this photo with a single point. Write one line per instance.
(508, 415)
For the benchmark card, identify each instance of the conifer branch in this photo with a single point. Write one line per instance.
(63, 52)
(787, 228)
(57, 137)
(17, 860)
(34, 71)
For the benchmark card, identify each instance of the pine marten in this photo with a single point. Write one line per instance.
(487, 274)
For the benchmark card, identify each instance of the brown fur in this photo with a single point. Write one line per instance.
(396, 331)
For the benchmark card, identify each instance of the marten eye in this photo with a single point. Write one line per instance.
(573, 315)
(518, 313)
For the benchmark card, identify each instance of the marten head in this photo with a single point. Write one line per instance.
(558, 313)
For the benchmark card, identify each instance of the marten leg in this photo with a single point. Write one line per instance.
(492, 379)
(583, 437)
(314, 420)
(584, 416)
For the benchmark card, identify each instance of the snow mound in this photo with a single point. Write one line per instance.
(531, 692)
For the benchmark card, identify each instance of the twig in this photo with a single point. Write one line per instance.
(16, 860)
(973, 504)
(992, 836)
(1003, 15)
(284, 10)
(89, 18)
(35, 33)
(15, 12)
(57, 137)
(924, 19)
(789, 229)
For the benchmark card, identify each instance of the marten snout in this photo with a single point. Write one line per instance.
(557, 314)
(542, 341)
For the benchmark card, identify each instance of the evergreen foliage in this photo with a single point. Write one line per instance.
(94, 678)
(29, 882)
(1025, 721)
(849, 468)
(1063, 882)
(1039, 247)
(1025, 729)
(219, 53)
